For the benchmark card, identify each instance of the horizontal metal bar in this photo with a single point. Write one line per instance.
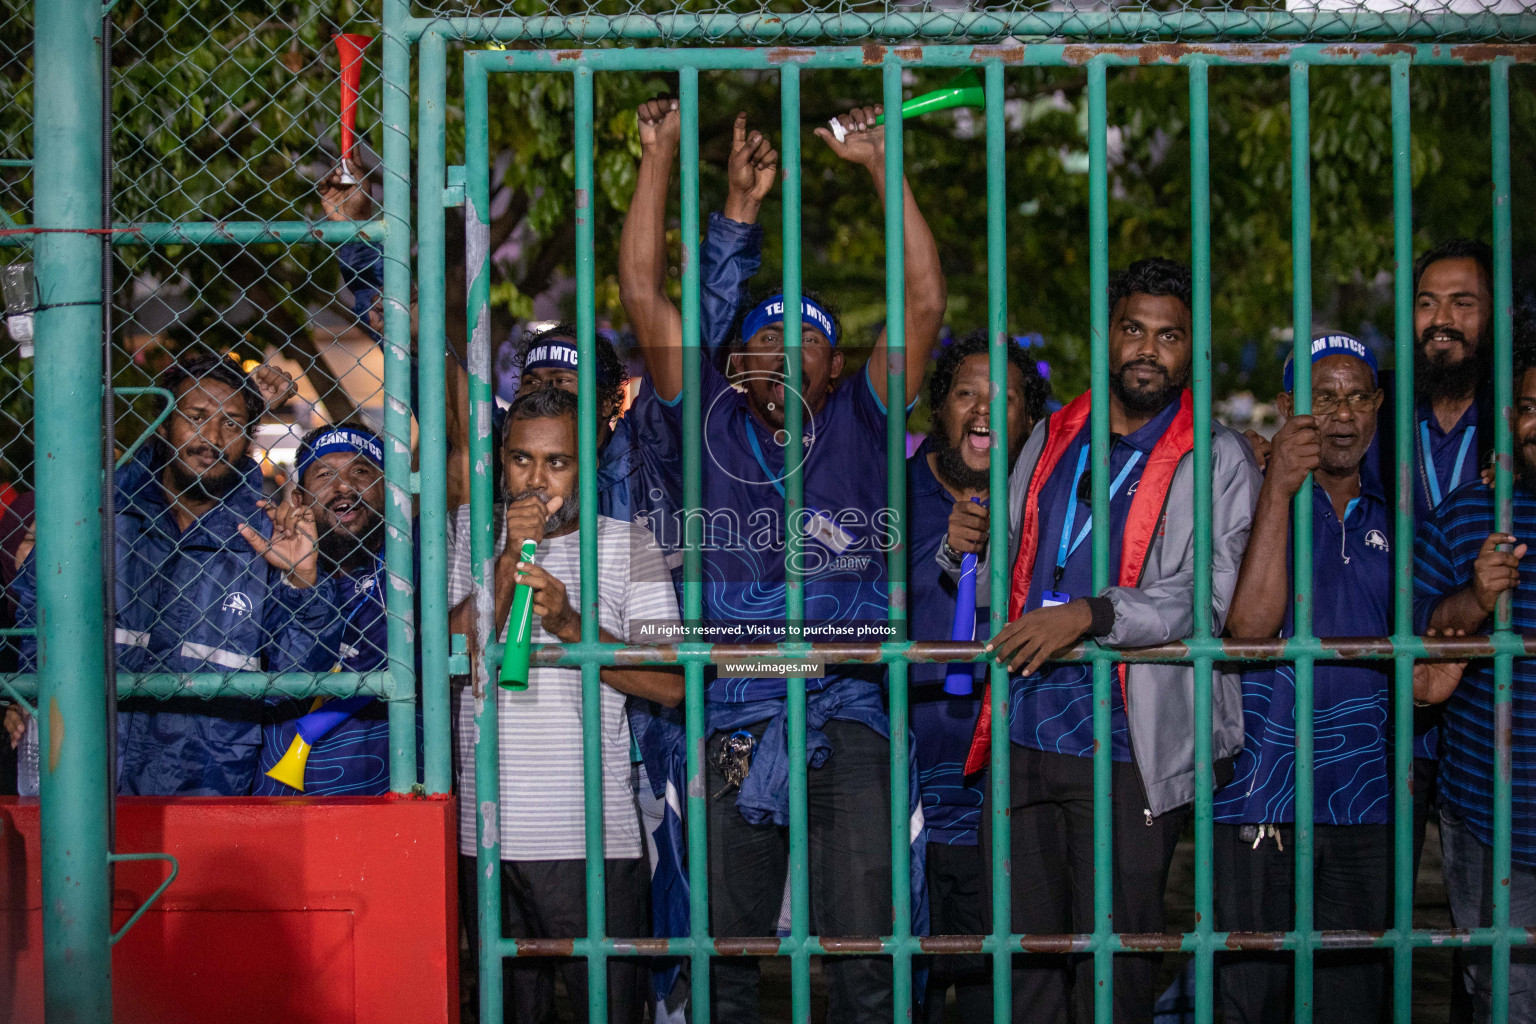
(1192, 24)
(164, 685)
(1122, 942)
(1034, 55)
(16, 162)
(225, 232)
(1221, 649)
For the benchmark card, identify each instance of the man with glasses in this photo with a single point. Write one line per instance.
(1254, 841)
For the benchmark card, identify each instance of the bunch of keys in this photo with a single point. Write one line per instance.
(734, 759)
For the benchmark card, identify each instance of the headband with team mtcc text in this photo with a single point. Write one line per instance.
(771, 311)
(346, 440)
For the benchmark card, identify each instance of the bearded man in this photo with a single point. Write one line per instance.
(340, 473)
(1053, 605)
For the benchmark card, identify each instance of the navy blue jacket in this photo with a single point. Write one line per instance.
(197, 601)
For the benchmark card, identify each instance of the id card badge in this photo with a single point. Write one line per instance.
(1052, 598)
(837, 539)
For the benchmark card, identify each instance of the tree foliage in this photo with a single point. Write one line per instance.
(227, 109)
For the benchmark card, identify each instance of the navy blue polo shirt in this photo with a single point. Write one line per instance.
(941, 724)
(1052, 710)
(1444, 551)
(1450, 460)
(1447, 462)
(847, 527)
(1351, 596)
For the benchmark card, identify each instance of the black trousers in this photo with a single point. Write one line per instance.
(956, 907)
(547, 899)
(1051, 820)
(849, 800)
(1255, 891)
(1426, 804)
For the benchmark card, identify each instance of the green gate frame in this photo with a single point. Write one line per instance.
(65, 237)
(1202, 650)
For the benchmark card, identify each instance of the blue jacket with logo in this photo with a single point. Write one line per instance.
(197, 601)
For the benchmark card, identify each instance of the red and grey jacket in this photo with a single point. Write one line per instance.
(1152, 599)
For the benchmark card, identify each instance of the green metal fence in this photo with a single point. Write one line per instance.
(187, 222)
(1202, 649)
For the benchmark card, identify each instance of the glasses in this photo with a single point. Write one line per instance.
(1326, 404)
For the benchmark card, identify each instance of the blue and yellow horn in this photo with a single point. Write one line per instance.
(323, 716)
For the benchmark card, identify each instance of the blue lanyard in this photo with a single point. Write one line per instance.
(1429, 461)
(757, 453)
(1068, 544)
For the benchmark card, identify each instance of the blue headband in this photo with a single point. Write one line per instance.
(771, 311)
(1325, 345)
(560, 353)
(345, 440)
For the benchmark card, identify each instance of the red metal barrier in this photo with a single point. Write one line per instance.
(294, 911)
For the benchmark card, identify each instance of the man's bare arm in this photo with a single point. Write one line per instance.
(643, 251)
(927, 292)
(652, 682)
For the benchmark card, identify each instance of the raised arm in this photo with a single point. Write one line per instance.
(1264, 584)
(643, 251)
(732, 251)
(926, 291)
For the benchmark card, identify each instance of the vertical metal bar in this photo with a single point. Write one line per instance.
(398, 596)
(997, 369)
(433, 412)
(586, 448)
(108, 445)
(1200, 365)
(693, 525)
(1103, 671)
(72, 710)
(484, 693)
(896, 502)
(1503, 665)
(794, 542)
(1301, 353)
(1402, 622)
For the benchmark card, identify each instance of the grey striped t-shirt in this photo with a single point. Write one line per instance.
(540, 728)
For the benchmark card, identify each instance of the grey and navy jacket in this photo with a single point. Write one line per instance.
(1157, 607)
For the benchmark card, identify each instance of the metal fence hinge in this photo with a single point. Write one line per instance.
(118, 858)
(154, 424)
(415, 482)
(458, 658)
(453, 193)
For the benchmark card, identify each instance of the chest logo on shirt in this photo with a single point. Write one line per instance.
(236, 604)
(1378, 540)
